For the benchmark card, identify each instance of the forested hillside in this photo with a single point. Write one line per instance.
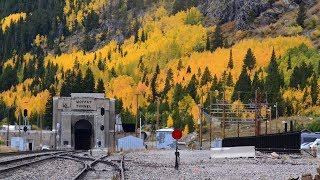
(171, 52)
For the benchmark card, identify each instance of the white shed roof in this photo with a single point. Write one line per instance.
(165, 130)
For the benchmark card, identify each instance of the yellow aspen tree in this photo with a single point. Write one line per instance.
(169, 122)
(186, 130)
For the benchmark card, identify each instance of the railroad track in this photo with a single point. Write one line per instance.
(14, 163)
(61, 165)
(101, 168)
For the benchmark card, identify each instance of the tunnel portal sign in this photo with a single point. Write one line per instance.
(83, 104)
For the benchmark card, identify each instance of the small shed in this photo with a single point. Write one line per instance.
(164, 139)
(17, 143)
(130, 143)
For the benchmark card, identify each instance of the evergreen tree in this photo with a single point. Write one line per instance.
(178, 95)
(244, 85)
(208, 48)
(169, 82)
(249, 60)
(273, 79)
(289, 62)
(192, 87)
(319, 68)
(101, 65)
(188, 69)
(199, 72)
(100, 86)
(206, 77)
(314, 89)
(230, 62)
(67, 85)
(113, 72)
(301, 15)
(88, 82)
(88, 43)
(217, 39)
(229, 80)
(180, 65)
(48, 114)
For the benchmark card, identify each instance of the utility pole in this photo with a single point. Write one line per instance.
(256, 113)
(238, 115)
(8, 124)
(19, 117)
(136, 129)
(224, 116)
(266, 113)
(210, 138)
(201, 109)
(158, 110)
(40, 127)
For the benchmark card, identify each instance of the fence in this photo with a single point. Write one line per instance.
(281, 142)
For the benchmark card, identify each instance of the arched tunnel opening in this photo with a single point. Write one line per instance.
(83, 135)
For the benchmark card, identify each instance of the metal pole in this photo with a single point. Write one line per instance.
(201, 106)
(140, 125)
(158, 109)
(40, 128)
(210, 138)
(270, 130)
(224, 117)
(238, 115)
(8, 124)
(276, 110)
(19, 122)
(137, 116)
(256, 113)
(114, 137)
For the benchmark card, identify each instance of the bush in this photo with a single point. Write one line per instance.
(314, 126)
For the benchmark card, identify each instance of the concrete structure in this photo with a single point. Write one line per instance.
(130, 143)
(233, 152)
(32, 139)
(164, 139)
(83, 121)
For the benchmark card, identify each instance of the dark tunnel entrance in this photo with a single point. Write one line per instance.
(83, 135)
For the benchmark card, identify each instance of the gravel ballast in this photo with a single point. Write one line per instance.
(159, 164)
(50, 169)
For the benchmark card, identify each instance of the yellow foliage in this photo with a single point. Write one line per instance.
(169, 122)
(186, 130)
(12, 18)
(24, 99)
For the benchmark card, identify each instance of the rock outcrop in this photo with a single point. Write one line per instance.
(247, 14)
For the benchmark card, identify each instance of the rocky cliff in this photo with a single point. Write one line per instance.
(245, 12)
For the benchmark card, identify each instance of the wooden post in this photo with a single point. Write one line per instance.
(158, 107)
(201, 109)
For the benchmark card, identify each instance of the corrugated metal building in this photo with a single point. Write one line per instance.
(130, 143)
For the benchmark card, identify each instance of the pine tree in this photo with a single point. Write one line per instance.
(301, 15)
(229, 80)
(208, 48)
(289, 62)
(230, 63)
(192, 87)
(273, 79)
(48, 114)
(314, 89)
(101, 65)
(217, 39)
(169, 82)
(244, 85)
(180, 65)
(88, 82)
(206, 77)
(100, 86)
(319, 68)
(249, 60)
(188, 69)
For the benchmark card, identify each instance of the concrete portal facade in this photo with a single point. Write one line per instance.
(78, 121)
